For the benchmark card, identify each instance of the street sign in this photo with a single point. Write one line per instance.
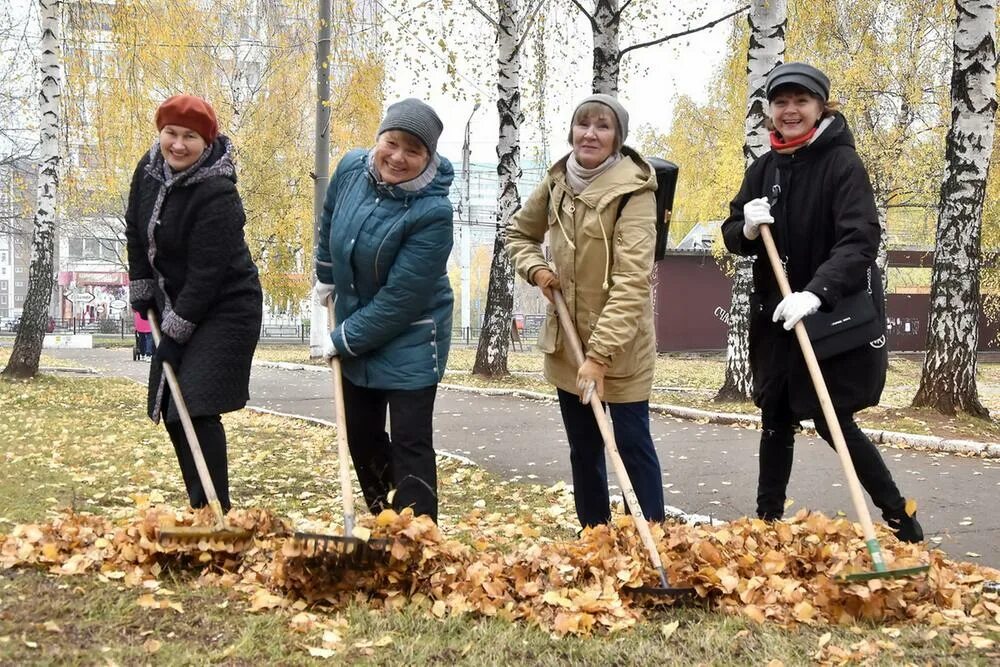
(81, 297)
(118, 304)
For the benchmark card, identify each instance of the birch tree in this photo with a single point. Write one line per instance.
(494, 339)
(41, 276)
(948, 380)
(768, 22)
(605, 21)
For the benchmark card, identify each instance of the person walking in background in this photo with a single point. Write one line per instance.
(145, 334)
(189, 263)
(823, 218)
(384, 243)
(602, 260)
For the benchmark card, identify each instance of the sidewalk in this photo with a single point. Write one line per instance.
(709, 468)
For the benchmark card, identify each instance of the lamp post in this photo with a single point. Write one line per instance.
(317, 321)
(465, 232)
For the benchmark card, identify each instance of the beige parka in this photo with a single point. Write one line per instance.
(605, 268)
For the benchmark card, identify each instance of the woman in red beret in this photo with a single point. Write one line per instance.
(189, 262)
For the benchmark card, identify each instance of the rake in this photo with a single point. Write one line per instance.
(345, 550)
(194, 534)
(641, 525)
(881, 570)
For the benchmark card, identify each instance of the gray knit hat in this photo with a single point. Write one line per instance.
(416, 117)
(610, 102)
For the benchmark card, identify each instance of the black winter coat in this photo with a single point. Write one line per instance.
(186, 251)
(826, 229)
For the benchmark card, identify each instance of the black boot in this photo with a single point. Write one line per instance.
(906, 527)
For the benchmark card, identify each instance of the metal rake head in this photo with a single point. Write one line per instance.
(346, 551)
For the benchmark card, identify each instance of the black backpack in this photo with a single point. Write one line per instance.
(666, 185)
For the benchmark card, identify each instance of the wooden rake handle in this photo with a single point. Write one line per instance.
(192, 437)
(576, 347)
(343, 451)
(826, 404)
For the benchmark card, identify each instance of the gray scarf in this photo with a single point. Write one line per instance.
(579, 177)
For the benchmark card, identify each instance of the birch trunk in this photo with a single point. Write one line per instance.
(28, 344)
(607, 56)
(948, 381)
(494, 340)
(768, 21)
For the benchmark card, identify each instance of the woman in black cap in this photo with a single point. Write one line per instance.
(386, 234)
(814, 192)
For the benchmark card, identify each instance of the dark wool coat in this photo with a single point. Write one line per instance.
(826, 228)
(386, 249)
(186, 250)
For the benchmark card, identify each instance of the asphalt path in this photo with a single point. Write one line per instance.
(707, 469)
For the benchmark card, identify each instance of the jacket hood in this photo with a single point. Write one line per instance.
(217, 160)
(631, 174)
(836, 134)
(439, 185)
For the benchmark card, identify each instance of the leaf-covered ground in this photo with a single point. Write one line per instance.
(691, 380)
(88, 482)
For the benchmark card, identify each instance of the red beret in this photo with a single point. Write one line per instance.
(191, 112)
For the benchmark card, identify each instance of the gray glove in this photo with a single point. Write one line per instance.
(320, 293)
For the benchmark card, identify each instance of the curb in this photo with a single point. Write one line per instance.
(933, 443)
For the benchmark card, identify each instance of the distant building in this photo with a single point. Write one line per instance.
(17, 203)
(701, 236)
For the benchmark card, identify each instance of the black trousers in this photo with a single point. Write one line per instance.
(212, 438)
(402, 460)
(777, 448)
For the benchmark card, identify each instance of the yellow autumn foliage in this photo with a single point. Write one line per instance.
(256, 64)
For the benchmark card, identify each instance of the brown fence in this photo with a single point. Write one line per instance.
(692, 298)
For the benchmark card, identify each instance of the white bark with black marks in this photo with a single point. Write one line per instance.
(41, 277)
(494, 340)
(948, 381)
(768, 21)
(605, 24)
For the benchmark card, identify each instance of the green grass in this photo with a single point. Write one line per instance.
(85, 443)
(691, 380)
(83, 621)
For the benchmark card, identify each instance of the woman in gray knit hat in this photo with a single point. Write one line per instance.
(386, 234)
(598, 208)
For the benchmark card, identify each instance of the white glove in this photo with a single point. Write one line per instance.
(329, 349)
(794, 307)
(320, 293)
(756, 212)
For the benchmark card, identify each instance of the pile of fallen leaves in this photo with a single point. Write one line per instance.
(783, 573)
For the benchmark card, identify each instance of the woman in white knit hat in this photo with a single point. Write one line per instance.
(598, 208)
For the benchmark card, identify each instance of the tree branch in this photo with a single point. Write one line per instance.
(593, 22)
(486, 16)
(621, 10)
(529, 21)
(690, 31)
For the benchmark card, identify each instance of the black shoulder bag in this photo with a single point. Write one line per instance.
(852, 323)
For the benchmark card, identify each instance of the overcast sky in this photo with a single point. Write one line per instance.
(684, 66)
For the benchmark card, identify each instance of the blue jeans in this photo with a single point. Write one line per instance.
(630, 423)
